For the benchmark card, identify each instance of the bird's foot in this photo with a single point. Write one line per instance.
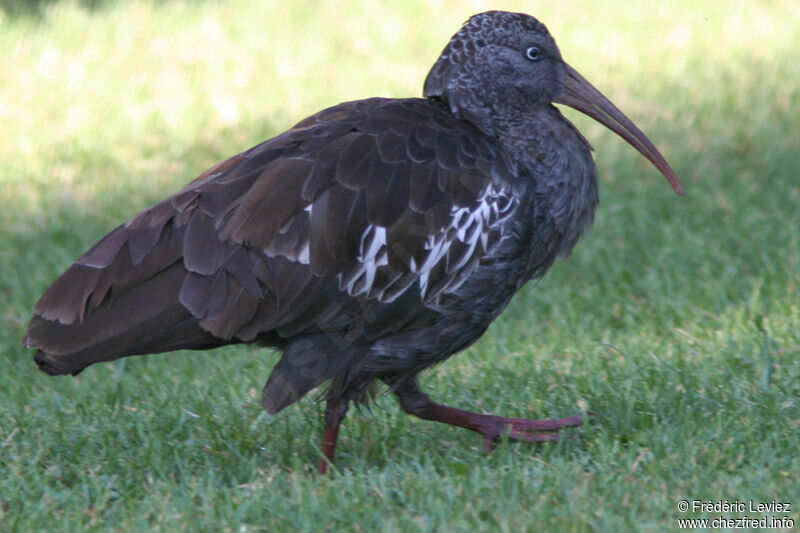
(494, 428)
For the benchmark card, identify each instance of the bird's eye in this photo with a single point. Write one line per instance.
(533, 53)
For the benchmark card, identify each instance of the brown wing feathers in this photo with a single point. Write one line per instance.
(269, 244)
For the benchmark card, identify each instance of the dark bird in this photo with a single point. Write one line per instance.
(370, 241)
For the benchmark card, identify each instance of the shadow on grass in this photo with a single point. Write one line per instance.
(37, 8)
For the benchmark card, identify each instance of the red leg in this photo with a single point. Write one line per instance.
(334, 414)
(492, 427)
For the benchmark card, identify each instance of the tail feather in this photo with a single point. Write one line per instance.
(55, 368)
(121, 298)
(148, 318)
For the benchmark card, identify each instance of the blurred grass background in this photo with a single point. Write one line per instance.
(677, 321)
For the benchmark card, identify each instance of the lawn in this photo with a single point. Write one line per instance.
(676, 321)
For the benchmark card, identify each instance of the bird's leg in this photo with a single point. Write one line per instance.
(335, 411)
(415, 402)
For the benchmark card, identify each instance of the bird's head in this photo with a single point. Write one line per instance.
(502, 65)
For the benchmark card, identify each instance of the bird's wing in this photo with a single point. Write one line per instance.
(370, 199)
(357, 219)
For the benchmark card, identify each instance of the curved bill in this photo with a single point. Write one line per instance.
(581, 95)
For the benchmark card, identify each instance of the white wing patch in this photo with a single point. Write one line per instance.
(470, 227)
(445, 262)
(372, 255)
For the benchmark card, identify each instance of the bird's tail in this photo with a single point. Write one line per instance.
(147, 318)
(120, 298)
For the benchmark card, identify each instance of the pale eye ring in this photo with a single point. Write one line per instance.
(533, 53)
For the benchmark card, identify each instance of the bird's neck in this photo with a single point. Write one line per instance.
(557, 172)
(528, 134)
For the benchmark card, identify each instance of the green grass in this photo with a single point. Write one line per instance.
(677, 321)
